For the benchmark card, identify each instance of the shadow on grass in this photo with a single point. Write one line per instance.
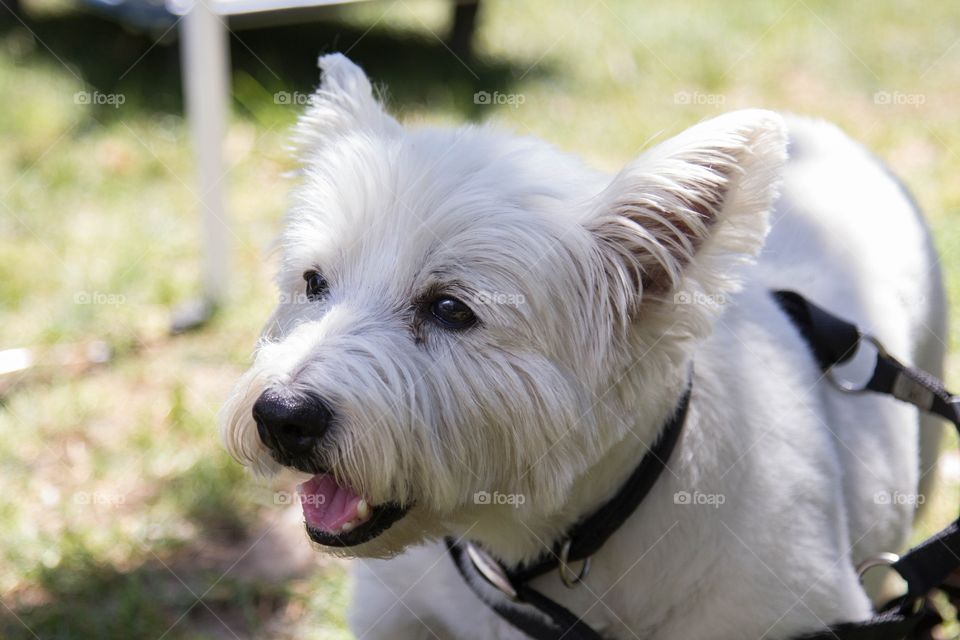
(156, 592)
(85, 598)
(417, 66)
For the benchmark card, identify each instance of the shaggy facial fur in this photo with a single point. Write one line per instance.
(428, 417)
(593, 295)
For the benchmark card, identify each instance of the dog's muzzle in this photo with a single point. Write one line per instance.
(292, 427)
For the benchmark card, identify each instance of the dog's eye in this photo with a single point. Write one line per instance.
(452, 313)
(316, 285)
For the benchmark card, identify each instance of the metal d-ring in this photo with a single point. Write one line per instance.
(491, 570)
(884, 559)
(850, 387)
(889, 560)
(566, 576)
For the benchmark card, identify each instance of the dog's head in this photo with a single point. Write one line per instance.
(470, 320)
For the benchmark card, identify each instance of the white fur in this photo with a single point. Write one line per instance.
(557, 398)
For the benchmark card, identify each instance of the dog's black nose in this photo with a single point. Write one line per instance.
(291, 423)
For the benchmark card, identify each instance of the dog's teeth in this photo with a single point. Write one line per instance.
(363, 510)
(347, 527)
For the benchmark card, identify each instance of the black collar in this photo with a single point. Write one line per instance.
(583, 540)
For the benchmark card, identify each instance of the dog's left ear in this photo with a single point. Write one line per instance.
(682, 210)
(344, 104)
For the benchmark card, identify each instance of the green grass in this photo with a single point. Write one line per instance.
(117, 506)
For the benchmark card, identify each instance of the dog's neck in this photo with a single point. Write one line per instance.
(637, 428)
(641, 426)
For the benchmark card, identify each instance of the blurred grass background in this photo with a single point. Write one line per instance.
(120, 516)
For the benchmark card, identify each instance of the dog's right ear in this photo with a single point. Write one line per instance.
(343, 104)
(675, 221)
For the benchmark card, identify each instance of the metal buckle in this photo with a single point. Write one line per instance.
(884, 559)
(566, 576)
(848, 386)
(491, 570)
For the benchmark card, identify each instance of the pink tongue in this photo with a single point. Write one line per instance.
(326, 505)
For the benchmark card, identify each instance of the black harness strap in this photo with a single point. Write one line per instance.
(927, 566)
(532, 612)
(588, 535)
(832, 341)
(887, 624)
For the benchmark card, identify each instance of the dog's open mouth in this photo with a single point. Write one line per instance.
(336, 516)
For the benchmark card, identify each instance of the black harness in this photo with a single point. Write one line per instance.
(833, 341)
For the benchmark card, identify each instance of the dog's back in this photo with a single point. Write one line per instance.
(846, 234)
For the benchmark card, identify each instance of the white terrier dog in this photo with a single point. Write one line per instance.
(467, 314)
